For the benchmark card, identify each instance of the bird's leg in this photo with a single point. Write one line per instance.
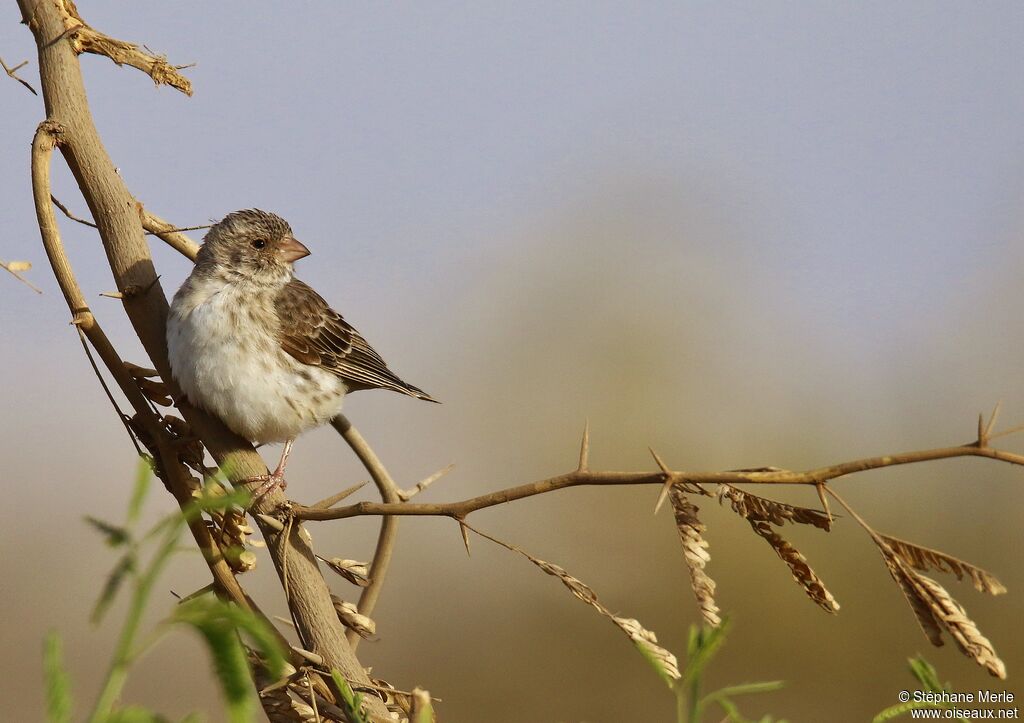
(270, 482)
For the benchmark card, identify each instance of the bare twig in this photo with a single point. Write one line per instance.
(154, 226)
(12, 72)
(389, 528)
(667, 478)
(85, 39)
(170, 234)
(406, 495)
(6, 266)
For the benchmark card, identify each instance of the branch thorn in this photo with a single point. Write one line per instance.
(272, 522)
(465, 534)
(669, 480)
(820, 487)
(992, 420)
(584, 448)
(334, 499)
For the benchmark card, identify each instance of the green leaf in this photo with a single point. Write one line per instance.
(657, 664)
(124, 568)
(732, 712)
(925, 673)
(767, 686)
(229, 659)
(895, 711)
(351, 702)
(259, 633)
(704, 643)
(139, 490)
(723, 697)
(425, 713)
(135, 714)
(58, 688)
(116, 535)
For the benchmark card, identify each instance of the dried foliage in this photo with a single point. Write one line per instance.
(761, 509)
(357, 573)
(349, 615)
(695, 552)
(925, 559)
(936, 610)
(802, 572)
(759, 512)
(646, 641)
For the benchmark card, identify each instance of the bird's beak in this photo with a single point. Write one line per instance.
(291, 250)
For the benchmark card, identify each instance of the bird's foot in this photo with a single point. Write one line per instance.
(267, 483)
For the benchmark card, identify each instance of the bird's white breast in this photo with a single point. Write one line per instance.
(224, 353)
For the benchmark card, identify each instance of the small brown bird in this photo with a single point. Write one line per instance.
(253, 345)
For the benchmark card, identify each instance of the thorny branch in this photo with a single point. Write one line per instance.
(57, 31)
(584, 477)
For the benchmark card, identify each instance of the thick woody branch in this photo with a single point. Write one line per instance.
(583, 478)
(119, 224)
(46, 138)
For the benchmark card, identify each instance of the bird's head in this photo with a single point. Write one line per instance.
(253, 244)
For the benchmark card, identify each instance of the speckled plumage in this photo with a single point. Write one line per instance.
(258, 348)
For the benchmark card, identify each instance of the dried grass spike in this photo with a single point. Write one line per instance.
(797, 563)
(925, 559)
(761, 509)
(918, 604)
(961, 628)
(647, 642)
(695, 552)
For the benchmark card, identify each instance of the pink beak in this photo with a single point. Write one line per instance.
(291, 250)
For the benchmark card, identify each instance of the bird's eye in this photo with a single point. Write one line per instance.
(259, 243)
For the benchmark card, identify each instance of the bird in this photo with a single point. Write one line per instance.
(259, 349)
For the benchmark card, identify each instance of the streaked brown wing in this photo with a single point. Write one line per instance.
(315, 334)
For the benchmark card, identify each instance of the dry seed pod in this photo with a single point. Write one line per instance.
(349, 615)
(925, 559)
(695, 553)
(357, 573)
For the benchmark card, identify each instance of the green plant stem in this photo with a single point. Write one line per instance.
(694, 700)
(123, 653)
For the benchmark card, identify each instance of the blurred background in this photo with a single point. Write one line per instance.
(741, 233)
